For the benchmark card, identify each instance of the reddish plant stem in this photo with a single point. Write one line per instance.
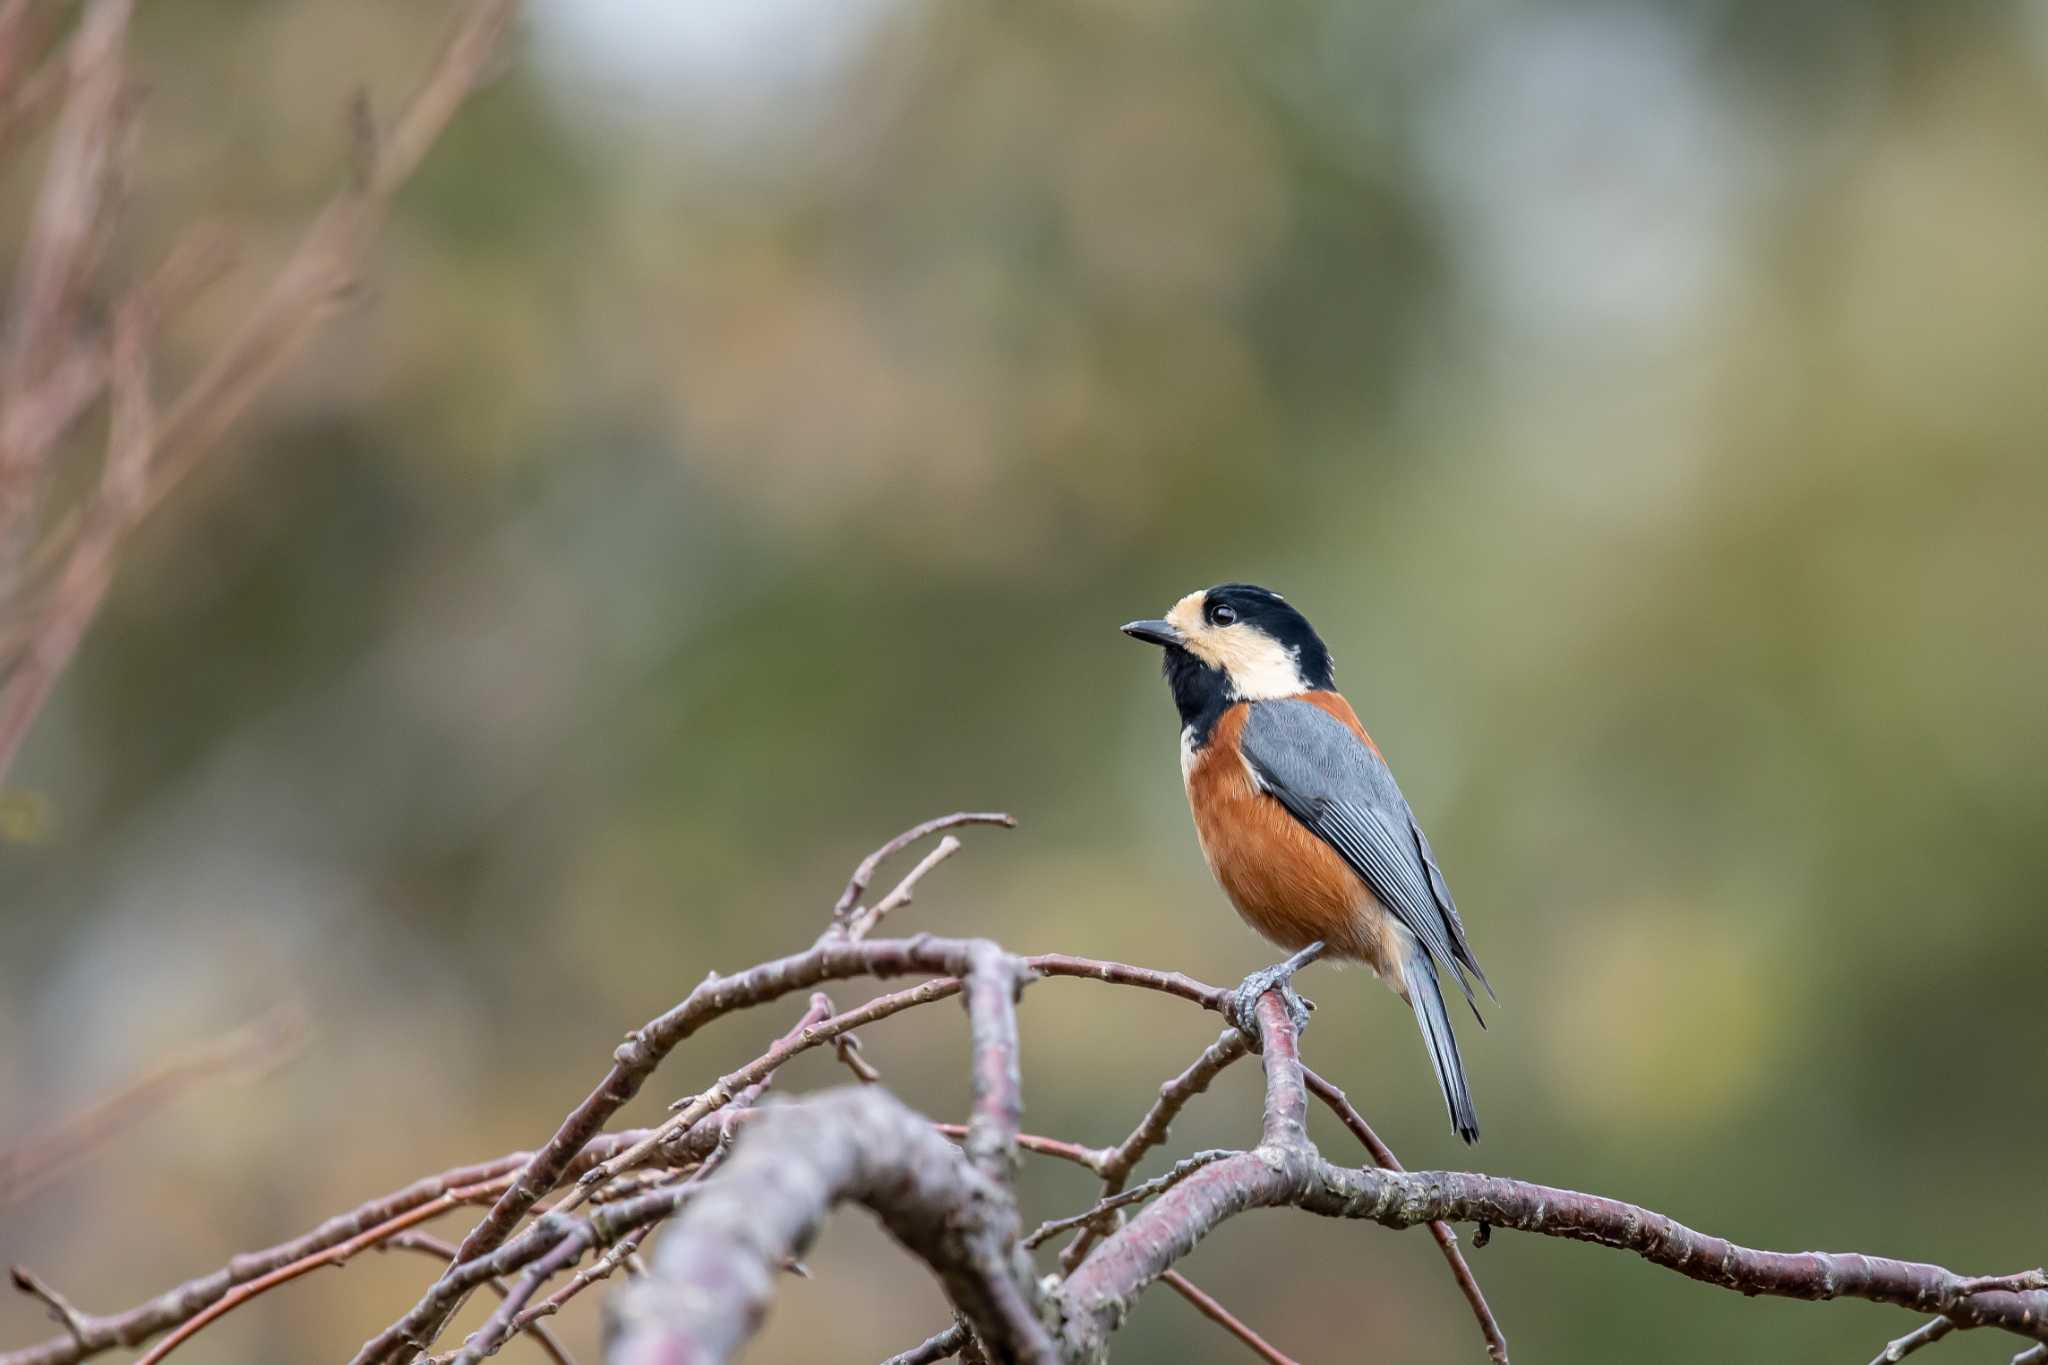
(1446, 1237)
(1208, 1307)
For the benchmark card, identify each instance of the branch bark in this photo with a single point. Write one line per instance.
(833, 958)
(716, 1268)
(134, 1326)
(740, 1225)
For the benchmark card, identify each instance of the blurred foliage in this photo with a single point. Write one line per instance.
(765, 416)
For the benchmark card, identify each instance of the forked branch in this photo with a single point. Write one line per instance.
(734, 1226)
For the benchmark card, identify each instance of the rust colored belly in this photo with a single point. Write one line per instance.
(1287, 884)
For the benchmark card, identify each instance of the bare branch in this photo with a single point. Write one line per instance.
(993, 980)
(1158, 1184)
(322, 271)
(90, 568)
(510, 1316)
(1152, 1129)
(938, 1346)
(1446, 1239)
(31, 1284)
(51, 372)
(716, 1268)
(178, 1305)
(1929, 1332)
(1096, 1297)
(618, 1254)
(250, 1050)
(862, 921)
(52, 263)
(1397, 1199)
(744, 1224)
(336, 1255)
(809, 1033)
(25, 100)
(1091, 1157)
(830, 959)
(427, 1244)
(857, 885)
(1209, 1308)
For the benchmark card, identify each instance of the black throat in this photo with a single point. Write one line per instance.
(1200, 692)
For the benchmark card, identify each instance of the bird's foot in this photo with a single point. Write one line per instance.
(1242, 1008)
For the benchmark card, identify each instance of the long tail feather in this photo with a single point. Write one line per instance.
(1427, 998)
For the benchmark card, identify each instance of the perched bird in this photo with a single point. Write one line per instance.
(1299, 817)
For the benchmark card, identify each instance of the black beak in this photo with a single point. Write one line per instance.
(1153, 632)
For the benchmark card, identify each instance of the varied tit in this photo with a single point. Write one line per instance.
(1299, 817)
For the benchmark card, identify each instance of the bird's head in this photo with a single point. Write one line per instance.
(1236, 642)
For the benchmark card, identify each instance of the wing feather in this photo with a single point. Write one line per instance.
(1346, 795)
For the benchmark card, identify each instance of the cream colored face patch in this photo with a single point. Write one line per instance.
(1259, 667)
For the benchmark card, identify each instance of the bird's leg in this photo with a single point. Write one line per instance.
(1243, 1007)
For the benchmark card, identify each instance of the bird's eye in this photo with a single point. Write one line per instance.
(1222, 614)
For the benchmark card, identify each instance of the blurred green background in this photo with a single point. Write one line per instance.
(765, 412)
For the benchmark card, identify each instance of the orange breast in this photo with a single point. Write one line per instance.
(1288, 884)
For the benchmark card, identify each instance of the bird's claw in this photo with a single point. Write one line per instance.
(1242, 1009)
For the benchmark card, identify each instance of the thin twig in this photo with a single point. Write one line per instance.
(862, 921)
(28, 1282)
(90, 568)
(321, 273)
(28, 100)
(509, 1318)
(1446, 1238)
(426, 1243)
(167, 1310)
(248, 1051)
(864, 873)
(939, 1346)
(1926, 1334)
(67, 212)
(1091, 1157)
(1158, 1184)
(616, 1255)
(808, 1035)
(847, 1046)
(1209, 1308)
(242, 1293)
(1152, 1129)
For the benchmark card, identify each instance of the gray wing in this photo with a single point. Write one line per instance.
(1336, 785)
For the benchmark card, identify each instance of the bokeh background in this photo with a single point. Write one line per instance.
(766, 410)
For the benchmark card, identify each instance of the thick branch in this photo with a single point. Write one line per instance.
(1285, 1169)
(993, 980)
(2017, 1303)
(717, 1266)
(1097, 1296)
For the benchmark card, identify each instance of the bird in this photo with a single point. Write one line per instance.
(1300, 820)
